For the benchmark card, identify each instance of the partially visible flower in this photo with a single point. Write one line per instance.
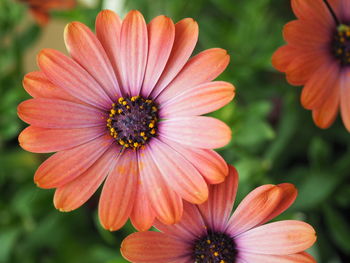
(125, 107)
(40, 8)
(207, 232)
(317, 56)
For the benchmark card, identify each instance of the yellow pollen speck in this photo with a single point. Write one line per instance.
(222, 261)
(142, 134)
(120, 111)
(121, 142)
(136, 144)
(153, 131)
(125, 102)
(151, 125)
(209, 241)
(126, 145)
(141, 107)
(120, 100)
(130, 141)
(216, 254)
(145, 138)
(113, 111)
(154, 108)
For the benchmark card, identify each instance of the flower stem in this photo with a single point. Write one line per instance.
(332, 12)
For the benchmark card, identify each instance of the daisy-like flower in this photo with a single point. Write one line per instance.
(40, 8)
(208, 234)
(317, 55)
(126, 104)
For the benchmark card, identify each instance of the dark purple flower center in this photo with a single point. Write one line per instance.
(341, 45)
(215, 247)
(133, 121)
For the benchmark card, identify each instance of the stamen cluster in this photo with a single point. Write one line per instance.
(133, 121)
(215, 247)
(341, 44)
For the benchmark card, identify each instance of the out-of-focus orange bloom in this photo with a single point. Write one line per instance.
(40, 8)
(317, 56)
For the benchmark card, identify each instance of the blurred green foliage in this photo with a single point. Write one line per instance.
(274, 139)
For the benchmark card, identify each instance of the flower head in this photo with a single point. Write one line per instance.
(40, 9)
(317, 56)
(124, 106)
(207, 232)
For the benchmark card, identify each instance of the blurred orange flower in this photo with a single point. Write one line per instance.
(40, 8)
(208, 233)
(317, 56)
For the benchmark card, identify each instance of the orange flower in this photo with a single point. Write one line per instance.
(317, 55)
(40, 8)
(208, 232)
(126, 104)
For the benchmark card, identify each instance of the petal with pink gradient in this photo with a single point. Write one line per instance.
(65, 166)
(42, 140)
(75, 193)
(202, 68)
(154, 247)
(59, 114)
(294, 258)
(179, 173)
(199, 100)
(278, 238)
(217, 210)
(186, 36)
(345, 99)
(86, 49)
(70, 76)
(198, 131)
(119, 192)
(161, 34)
(133, 52)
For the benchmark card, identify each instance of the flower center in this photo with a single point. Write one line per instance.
(341, 44)
(215, 247)
(133, 121)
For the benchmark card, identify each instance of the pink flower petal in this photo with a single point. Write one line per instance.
(345, 99)
(293, 258)
(204, 67)
(108, 26)
(278, 238)
(217, 210)
(133, 52)
(75, 193)
(65, 166)
(142, 215)
(191, 226)
(283, 57)
(209, 163)
(64, 72)
(254, 208)
(179, 173)
(186, 36)
(199, 100)
(38, 86)
(85, 48)
(166, 204)
(119, 192)
(316, 90)
(161, 34)
(154, 247)
(42, 140)
(60, 114)
(198, 132)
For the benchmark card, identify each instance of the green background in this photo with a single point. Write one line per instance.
(274, 138)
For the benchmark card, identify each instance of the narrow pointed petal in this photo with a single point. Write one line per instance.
(133, 52)
(191, 226)
(254, 208)
(153, 247)
(202, 68)
(208, 162)
(70, 76)
(38, 86)
(161, 34)
(180, 174)
(65, 166)
(283, 57)
(142, 215)
(85, 48)
(345, 99)
(75, 193)
(199, 100)
(186, 36)
(293, 258)
(108, 26)
(198, 132)
(216, 211)
(166, 204)
(278, 238)
(42, 140)
(119, 192)
(44, 113)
